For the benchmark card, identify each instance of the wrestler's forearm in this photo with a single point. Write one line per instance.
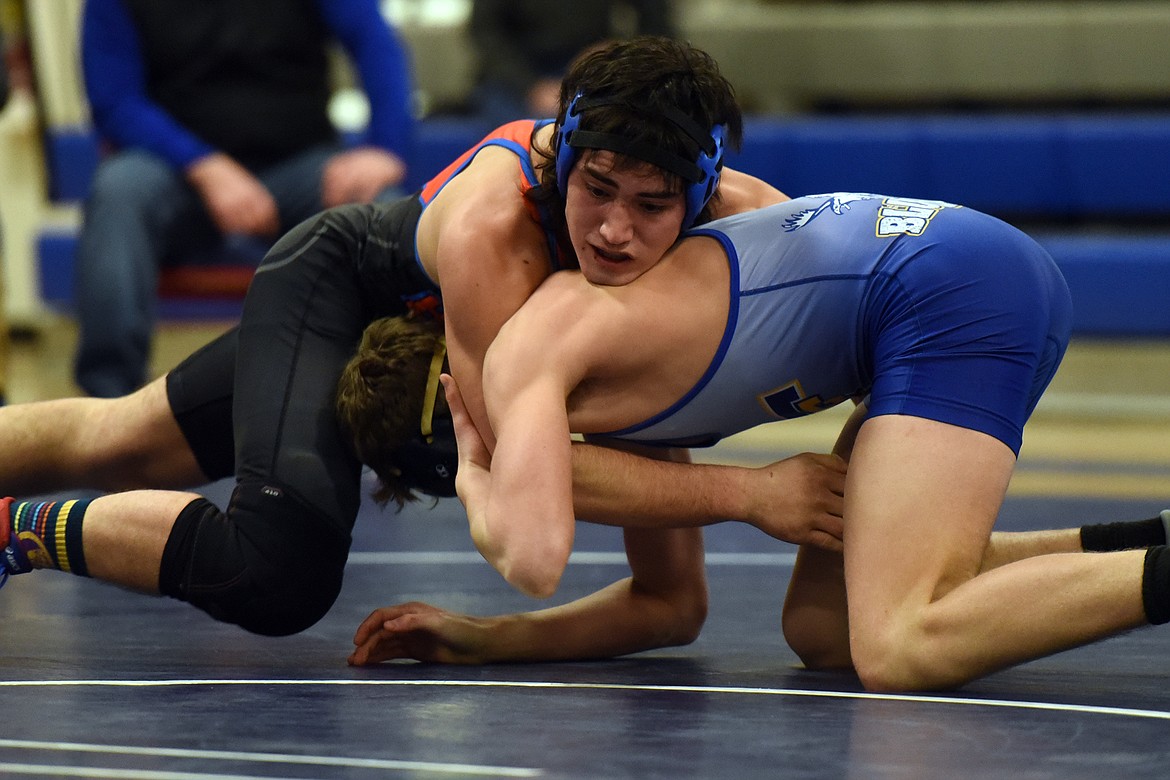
(663, 604)
(526, 529)
(616, 620)
(621, 488)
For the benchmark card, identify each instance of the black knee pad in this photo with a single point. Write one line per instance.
(269, 564)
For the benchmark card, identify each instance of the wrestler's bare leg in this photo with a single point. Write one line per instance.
(1085, 597)
(102, 444)
(109, 445)
(125, 534)
(815, 616)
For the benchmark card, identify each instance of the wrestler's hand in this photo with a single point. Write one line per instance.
(418, 631)
(800, 500)
(473, 478)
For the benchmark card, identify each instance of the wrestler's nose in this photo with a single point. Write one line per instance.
(617, 226)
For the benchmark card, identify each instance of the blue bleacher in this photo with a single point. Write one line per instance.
(1093, 189)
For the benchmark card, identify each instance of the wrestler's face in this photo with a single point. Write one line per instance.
(622, 218)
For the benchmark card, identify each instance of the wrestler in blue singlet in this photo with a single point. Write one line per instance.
(927, 308)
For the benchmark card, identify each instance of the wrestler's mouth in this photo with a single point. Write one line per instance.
(610, 257)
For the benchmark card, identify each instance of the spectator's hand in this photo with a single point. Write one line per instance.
(544, 98)
(236, 200)
(801, 500)
(420, 632)
(359, 175)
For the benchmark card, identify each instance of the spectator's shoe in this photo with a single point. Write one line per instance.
(13, 559)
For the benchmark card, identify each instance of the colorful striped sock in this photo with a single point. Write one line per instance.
(48, 534)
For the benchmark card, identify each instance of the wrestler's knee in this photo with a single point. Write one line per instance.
(905, 650)
(882, 659)
(269, 565)
(819, 637)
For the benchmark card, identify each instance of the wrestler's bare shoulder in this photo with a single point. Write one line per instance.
(482, 211)
(739, 192)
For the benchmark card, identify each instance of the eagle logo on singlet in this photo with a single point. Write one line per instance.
(837, 202)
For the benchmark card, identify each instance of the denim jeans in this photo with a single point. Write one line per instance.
(141, 214)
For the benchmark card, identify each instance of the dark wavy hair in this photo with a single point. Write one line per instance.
(638, 78)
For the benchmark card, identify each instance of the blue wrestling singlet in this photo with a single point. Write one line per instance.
(927, 308)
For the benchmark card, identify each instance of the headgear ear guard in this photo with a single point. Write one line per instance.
(701, 175)
(428, 465)
(428, 461)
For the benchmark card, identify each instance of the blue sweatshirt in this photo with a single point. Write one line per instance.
(246, 77)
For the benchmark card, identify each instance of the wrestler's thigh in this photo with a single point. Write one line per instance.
(302, 320)
(921, 498)
(145, 446)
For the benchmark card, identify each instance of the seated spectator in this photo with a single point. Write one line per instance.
(214, 120)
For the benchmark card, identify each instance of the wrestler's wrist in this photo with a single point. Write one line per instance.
(502, 639)
(734, 499)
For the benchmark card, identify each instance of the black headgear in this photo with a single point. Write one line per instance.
(428, 461)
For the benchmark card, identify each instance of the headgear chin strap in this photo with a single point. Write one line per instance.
(427, 463)
(701, 175)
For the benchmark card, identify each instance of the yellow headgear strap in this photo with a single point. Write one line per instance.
(428, 409)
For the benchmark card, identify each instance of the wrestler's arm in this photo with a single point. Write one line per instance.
(632, 615)
(799, 499)
(490, 258)
(521, 513)
(662, 603)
